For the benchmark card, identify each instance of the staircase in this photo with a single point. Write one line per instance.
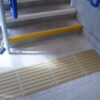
(39, 18)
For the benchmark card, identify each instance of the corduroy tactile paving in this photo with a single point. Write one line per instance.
(48, 74)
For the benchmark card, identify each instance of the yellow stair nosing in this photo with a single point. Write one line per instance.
(45, 33)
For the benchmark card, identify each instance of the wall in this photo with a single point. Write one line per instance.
(90, 18)
(0, 30)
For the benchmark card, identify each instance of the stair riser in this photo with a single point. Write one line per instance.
(40, 20)
(44, 14)
(37, 40)
(37, 3)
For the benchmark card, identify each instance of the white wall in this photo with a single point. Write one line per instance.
(90, 18)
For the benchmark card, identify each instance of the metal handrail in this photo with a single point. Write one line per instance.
(3, 26)
(95, 3)
(13, 7)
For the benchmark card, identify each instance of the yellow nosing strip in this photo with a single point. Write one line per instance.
(45, 33)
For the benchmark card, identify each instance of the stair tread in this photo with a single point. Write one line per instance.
(44, 12)
(46, 8)
(46, 25)
(21, 1)
(27, 1)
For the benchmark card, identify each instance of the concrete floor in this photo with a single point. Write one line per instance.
(44, 51)
(85, 88)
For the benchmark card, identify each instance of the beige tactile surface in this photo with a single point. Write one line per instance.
(9, 85)
(37, 77)
(89, 60)
(65, 69)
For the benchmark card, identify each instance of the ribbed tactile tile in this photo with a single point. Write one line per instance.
(35, 78)
(65, 69)
(89, 60)
(42, 76)
(9, 85)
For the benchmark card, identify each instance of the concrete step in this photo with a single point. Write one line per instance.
(48, 26)
(35, 3)
(29, 14)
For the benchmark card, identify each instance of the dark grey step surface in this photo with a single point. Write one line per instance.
(44, 24)
(41, 24)
(38, 9)
(35, 3)
(36, 13)
(41, 20)
(23, 45)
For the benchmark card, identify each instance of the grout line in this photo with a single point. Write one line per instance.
(53, 76)
(80, 65)
(19, 82)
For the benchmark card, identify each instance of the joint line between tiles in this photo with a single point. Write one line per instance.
(79, 64)
(52, 74)
(19, 82)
